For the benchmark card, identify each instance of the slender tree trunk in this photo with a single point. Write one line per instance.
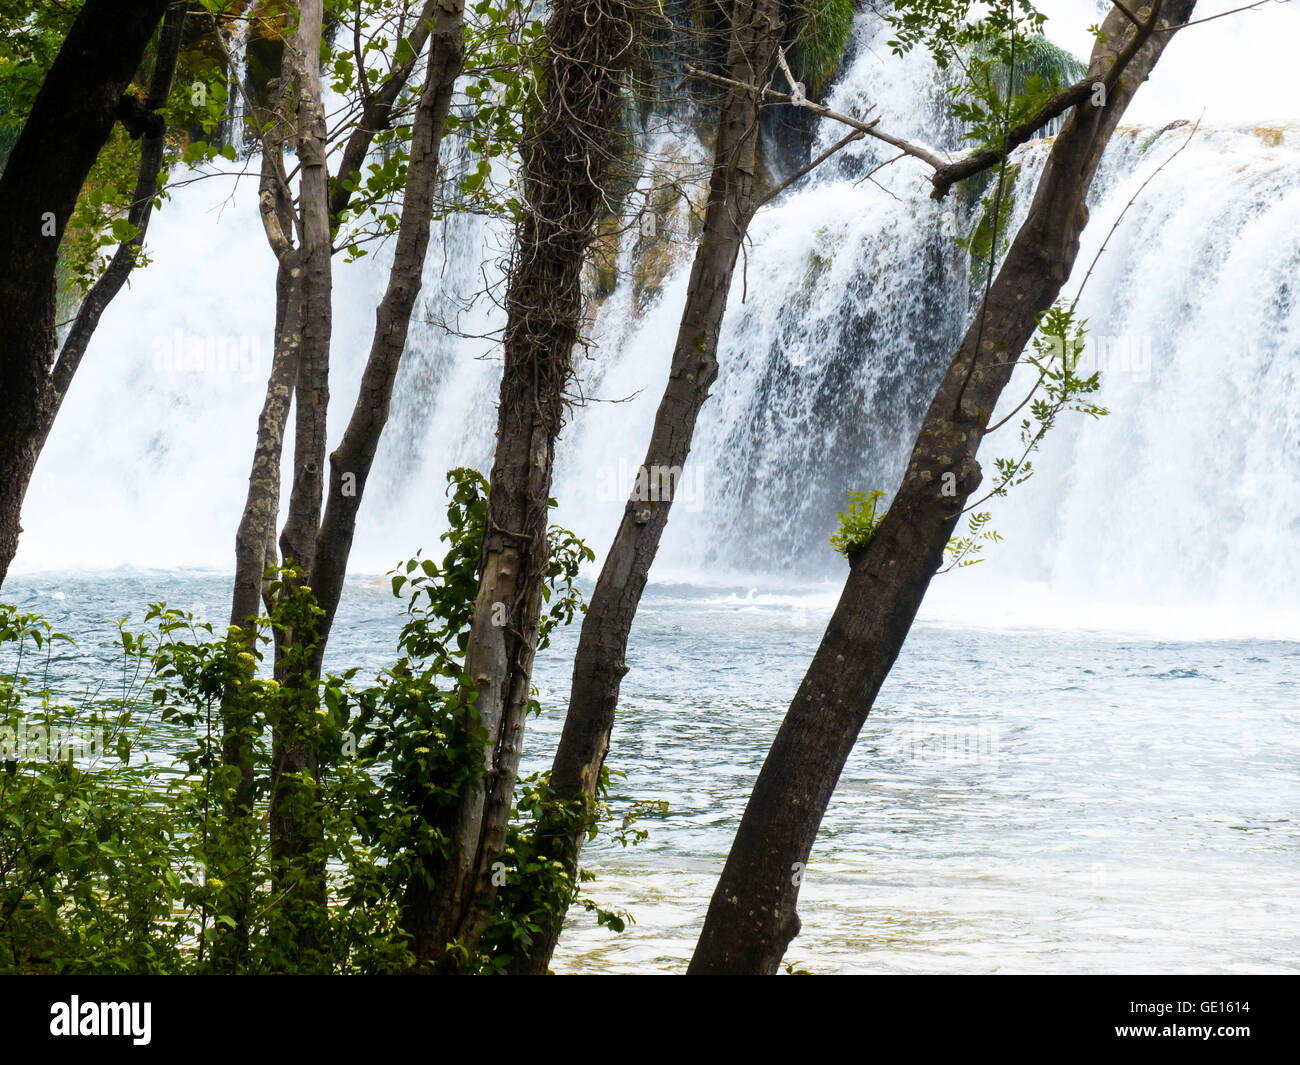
(298, 537)
(298, 869)
(255, 543)
(254, 548)
(262, 506)
(350, 463)
(566, 161)
(599, 667)
(752, 915)
(254, 551)
(321, 545)
(110, 282)
(68, 126)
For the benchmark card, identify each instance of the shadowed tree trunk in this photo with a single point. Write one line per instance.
(599, 667)
(566, 160)
(69, 124)
(110, 282)
(752, 916)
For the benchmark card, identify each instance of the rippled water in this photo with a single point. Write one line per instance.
(1021, 800)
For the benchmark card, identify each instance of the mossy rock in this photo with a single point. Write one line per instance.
(1041, 59)
(602, 264)
(980, 243)
(653, 265)
(1272, 136)
(822, 31)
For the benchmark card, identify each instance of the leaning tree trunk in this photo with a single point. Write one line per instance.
(110, 282)
(599, 667)
(68, 126)
(351, 461)
(566, 158)
(752, 916)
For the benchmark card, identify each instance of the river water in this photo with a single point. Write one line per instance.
(1022, 799)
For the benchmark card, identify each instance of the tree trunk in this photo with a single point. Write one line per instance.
(262, 505)
(565, 164)
(752, 916)
(254, 548)
(599, 667)
(110, 282)
(350, 463)
(255, 543)
(321, 545)
(254, 551)
(311, 397)
(298, 869)
(69, 124)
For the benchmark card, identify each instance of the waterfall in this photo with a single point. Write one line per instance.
(1185, 492)
(848, 302)
(235, 85)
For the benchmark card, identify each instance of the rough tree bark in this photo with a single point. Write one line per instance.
(565, 163)
(255, 542)
(311, 394)
(599, 667)
(752, 915)
(255, 536)
(69, 124)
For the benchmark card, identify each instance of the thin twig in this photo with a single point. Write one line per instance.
(1083, 284)
(856, 135)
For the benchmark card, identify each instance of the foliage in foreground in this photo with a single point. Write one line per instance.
(117, 852)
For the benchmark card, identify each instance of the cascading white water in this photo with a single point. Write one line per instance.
(234, 86)
(1184, 493)
(849, 302)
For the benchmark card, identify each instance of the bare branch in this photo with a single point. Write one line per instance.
(1221, 14)
(869, 128)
